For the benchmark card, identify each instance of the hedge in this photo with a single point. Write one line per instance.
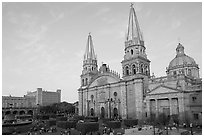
(51, 122)
(87, 127)
(62, 124)
(79, 118)
(130, 122)
(113, 124)
(107, 119)
(61, 118)
(43, 117)
(53, 116)
(66, 124)
(91, 119)
(71, 124)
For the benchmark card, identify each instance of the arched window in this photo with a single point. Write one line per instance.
(189, 72)
(115, 94)
(82, 82)
(92, 97)
(141, 68)
(131, 52)
(146, 70)
(86, 81)
(127, 70)
(133, 69)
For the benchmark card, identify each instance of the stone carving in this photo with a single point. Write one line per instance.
(102, 81)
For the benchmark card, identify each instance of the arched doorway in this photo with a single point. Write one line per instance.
(7, 112)
(115, 112)
(22, 112)
(102, 112)
(30, 112)
(92, 112)
(15, 112)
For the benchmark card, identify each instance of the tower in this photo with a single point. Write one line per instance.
(135, 62)
(90, 67)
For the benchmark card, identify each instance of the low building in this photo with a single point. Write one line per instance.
(44, 98)
(29, 102)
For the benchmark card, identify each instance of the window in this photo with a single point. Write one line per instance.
(133, 69)
(174, 72)
(131, 52)
(115, 94)
(92, 97)
(127, 70)
(189, 72)
(82, 82)
(86, 81)
(194, 99)
(141, 68)
(146, 70)
(196, 117)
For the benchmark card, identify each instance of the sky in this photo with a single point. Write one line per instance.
(43, 43)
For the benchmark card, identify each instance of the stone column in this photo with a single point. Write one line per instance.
(156, 104)
(148, 107)
(170, 106)
(181, 107)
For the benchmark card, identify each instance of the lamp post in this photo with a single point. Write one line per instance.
(191, 126)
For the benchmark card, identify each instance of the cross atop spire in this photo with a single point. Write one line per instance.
(89, 53)
(134, 32)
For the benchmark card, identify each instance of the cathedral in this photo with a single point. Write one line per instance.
(137, 94)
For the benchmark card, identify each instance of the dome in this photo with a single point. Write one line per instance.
(181, 59)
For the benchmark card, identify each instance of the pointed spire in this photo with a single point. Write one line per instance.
(134, 32)
(89, 54)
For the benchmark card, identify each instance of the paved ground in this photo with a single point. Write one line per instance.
(148, 131)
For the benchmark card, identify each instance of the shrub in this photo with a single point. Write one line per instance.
(62, 124)
(113, 124)
(78, 118)
(53, 116)
(61, 118)
(71, 124)
(107, 119)
(66, 124)
(130, 122)
(87, 127)
(91, 119)
(52, 122)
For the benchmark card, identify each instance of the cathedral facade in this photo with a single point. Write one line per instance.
(137, 95)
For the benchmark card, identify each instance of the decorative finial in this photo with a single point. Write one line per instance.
(179, 40)
(131, 5)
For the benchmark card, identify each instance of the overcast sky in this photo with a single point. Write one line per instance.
(44, 43)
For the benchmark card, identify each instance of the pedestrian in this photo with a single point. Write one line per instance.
(191, 126)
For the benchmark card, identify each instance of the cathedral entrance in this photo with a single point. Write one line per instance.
(92, 112)
(102, 112)
(115, 113)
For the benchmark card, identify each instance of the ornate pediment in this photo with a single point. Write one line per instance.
(102, 81)
(163, 90)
